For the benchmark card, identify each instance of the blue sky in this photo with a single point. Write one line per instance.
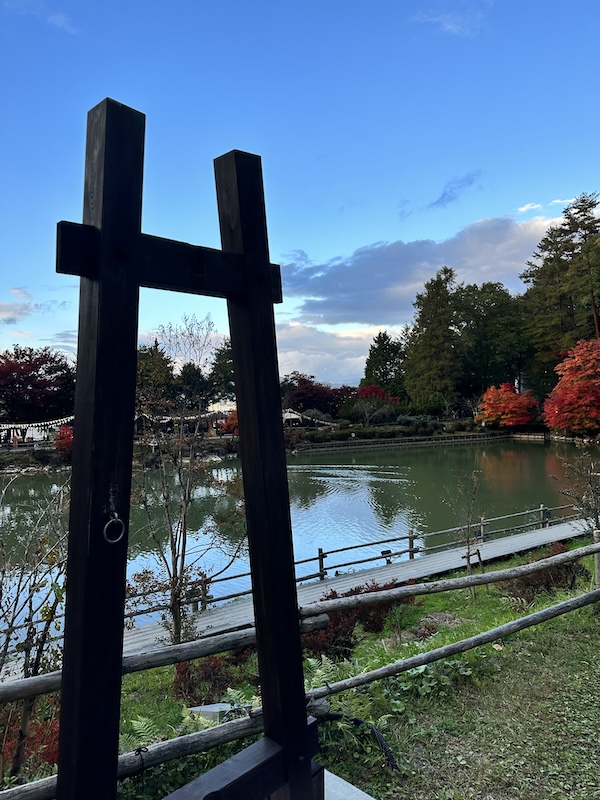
(396, 137)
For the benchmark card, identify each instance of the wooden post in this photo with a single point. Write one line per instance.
(242, 220)
(322, 571)
(102, 452)
(411, 543)
(113, 258)
(597, 560)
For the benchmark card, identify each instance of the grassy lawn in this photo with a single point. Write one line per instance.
(518, 719)
(514, 719)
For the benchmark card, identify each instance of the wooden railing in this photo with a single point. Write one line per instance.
(202, 593)
(312, 616)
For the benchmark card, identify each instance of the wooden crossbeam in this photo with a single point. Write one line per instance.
(256, 773)
(191, 268)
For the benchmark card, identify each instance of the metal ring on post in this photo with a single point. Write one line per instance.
(120, 525)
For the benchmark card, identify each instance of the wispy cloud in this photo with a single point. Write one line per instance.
(528, 207)
(21, 293)
(454, 188)
(39, 9)
(562, 202)
(65, 341)
(11, 313)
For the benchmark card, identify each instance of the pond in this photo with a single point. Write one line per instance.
(349, 497)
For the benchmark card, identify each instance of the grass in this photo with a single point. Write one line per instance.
(513, 720)
(516, 720)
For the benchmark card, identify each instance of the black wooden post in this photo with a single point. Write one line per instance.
(114, 258)
(102, 454)
(243, 230)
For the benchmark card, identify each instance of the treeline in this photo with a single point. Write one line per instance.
(464, 339)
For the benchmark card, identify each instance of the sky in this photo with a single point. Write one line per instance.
(396, 136)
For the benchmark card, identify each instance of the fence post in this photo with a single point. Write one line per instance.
(482, 527)
(204, 584)
(322, 572)
(542, 515)
(597, 560)
(411, 543)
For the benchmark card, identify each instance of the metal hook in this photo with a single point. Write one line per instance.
(120, 529)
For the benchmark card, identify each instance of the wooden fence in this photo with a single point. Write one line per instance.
(133, 763)
(202, 593)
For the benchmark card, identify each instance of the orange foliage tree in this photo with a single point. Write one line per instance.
(573, 405)
(507, 407)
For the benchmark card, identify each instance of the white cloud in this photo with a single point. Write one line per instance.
(467, 21)
(21, 293)
(528, 207)
(376, 285)
(39, 10)
(60, 20)
(562, 202)
(333, 357)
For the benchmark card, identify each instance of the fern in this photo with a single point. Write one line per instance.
(144, 731)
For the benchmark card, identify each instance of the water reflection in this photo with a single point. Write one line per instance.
(350, 497)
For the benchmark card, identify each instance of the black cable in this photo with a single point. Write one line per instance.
(375, 733)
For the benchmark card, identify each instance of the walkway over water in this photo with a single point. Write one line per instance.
(239, 614)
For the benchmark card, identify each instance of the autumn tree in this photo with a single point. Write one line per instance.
(504, 406)
(373, 405)
(301, 392)
(574, 404)
(35, 384)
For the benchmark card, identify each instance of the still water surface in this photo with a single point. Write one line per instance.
(340, 498)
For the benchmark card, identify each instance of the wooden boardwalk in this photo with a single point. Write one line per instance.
(239, 613)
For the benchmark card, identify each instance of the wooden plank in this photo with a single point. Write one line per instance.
(102, 451)
(242, 220)
(161, 263)
(253, 774)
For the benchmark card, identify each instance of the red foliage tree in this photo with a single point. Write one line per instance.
(64, 441)
(373, 392)
(573, 405)
(231, 424)
(507, 407)
(35, 385)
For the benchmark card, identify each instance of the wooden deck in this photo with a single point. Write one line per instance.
(239, 613)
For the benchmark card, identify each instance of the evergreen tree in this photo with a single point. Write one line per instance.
(432, 363)
(384, 365)
(221, 372)
(490, 337)
(561, 302)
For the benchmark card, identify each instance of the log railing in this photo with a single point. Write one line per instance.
(133, 763)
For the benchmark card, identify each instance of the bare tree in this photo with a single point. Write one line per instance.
(583, 483)
(174, 475)
(32, 569)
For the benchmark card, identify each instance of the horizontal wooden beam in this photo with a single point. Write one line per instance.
(254, 774)
(162, 263)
